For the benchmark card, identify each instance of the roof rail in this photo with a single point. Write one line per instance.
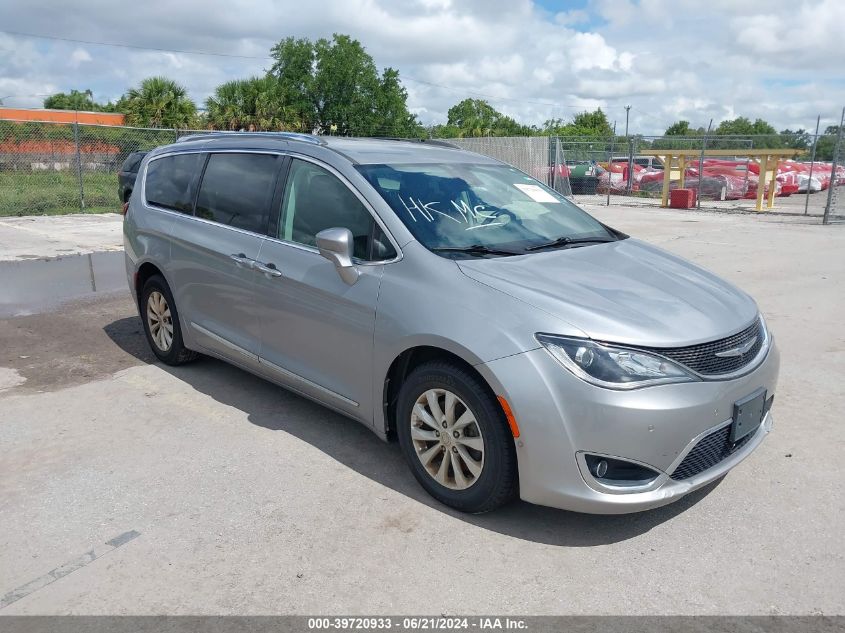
(291, 136)
(427, 141)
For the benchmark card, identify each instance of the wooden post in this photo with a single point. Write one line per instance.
(774, 182)
(761, 181)
(667, 177)
(682, 165)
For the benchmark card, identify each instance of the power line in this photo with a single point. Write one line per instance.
(133, 46)
(268, 58)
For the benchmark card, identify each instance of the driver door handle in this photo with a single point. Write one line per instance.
(269, 269)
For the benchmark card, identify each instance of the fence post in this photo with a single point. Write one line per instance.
(812, 161)
(79, 167)
(701, 165)
(610, 162)
(832, 194)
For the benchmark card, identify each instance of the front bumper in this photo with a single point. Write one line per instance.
(561, 417)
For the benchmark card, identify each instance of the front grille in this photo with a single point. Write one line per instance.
(709, 451)
(703, 360)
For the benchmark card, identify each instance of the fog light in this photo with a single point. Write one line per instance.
(601, 468)
(618, 472)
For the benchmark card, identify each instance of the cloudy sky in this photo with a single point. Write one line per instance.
(781, 60)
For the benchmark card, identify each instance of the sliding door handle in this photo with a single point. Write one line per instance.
(269, 270)
(242, 260)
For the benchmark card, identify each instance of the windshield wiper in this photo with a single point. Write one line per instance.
(473, 249)
(566, 241)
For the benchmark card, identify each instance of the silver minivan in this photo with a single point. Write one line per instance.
(510, 342)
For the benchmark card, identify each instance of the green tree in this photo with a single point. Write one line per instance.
(799, 139)
(158, 102)
(250, 104)
(764, 135)
(334, 85)
(76, 100)
(742, 126)
(476, 117)
(293, 70)
(827, 144)
(682, 128)
(590, 124)
(393, 117)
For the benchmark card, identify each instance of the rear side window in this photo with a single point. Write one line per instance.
(171, 182)
(237, 190)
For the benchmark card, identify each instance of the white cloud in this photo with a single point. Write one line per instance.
(79, 56)
(775, 59)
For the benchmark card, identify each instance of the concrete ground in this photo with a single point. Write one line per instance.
(30, 237)
(794, 205)
(128, 487)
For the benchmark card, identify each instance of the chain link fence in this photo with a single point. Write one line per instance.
(834, 211)
(56, 168)
(727, 178)
(537, 156)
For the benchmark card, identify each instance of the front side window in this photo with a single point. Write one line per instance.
(171, 182)
(237, 190)
(316, 200)
(458, 206)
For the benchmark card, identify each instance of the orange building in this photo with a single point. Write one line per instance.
(61, 116)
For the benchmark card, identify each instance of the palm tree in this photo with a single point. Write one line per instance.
(158, 102)
(250, 104)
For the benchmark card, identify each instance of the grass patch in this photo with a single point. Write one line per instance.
(56, 193)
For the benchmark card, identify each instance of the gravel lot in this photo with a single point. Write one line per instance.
(234, 496)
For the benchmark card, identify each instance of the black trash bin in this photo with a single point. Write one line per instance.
(583, 185)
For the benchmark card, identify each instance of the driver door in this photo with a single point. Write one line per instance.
(317, 331)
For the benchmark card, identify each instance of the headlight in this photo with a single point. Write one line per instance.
(610, 366)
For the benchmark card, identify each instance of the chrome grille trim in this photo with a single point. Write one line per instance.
(702, 358)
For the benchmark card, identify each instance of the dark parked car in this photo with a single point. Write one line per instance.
(127, 173)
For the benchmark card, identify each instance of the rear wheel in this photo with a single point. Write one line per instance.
(455, 439)
(161, 323)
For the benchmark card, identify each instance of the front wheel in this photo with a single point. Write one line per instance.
(455, 438)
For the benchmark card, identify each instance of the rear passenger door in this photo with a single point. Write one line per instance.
(317, 331)
(214, 251)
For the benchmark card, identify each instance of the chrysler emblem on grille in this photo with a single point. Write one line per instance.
(738, 351)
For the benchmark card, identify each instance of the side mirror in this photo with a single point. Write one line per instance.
(336, 245)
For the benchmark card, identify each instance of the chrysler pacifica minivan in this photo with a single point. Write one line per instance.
(511, 343)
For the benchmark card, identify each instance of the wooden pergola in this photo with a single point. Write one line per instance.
(766, 158)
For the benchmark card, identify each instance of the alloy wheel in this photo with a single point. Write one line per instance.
(159, 320)
(447, 439)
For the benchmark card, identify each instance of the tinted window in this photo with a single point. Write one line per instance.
(316, 200)
(237, 190)
(171, 182)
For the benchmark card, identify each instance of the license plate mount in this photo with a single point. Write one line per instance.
(748, 413)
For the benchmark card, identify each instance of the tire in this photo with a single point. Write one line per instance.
(172, 351)
(462, 485)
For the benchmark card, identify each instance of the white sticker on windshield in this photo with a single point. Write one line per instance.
(536, 193)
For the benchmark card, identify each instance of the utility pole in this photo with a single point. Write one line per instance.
(629, 182)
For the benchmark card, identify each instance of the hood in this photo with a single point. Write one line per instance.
(623, 292)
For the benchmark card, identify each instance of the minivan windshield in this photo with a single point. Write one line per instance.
(464, 209)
